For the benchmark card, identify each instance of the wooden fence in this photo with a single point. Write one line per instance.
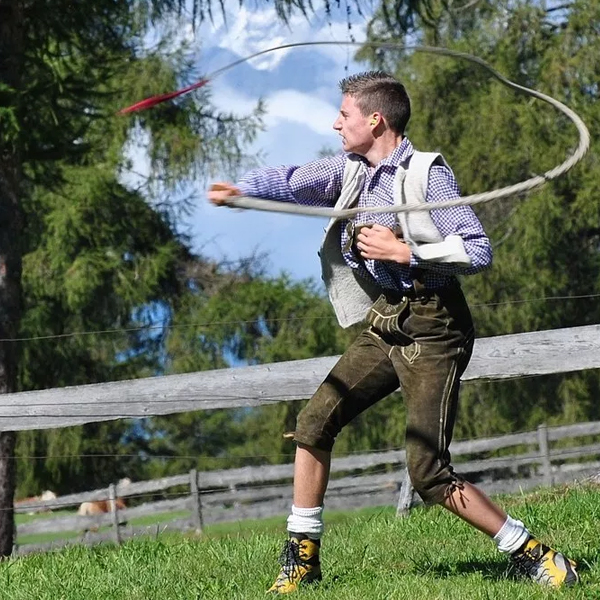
(257, 491)
(500, 357)
(540, 458)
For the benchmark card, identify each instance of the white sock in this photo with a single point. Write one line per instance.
(308, 521)
(512, 535)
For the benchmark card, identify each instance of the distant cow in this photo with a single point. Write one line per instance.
(43, 497)
(98, 507)
(47, 495)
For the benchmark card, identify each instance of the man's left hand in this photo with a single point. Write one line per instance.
(380, 243)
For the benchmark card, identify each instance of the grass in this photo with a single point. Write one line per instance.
(367, 555)
(39, 538)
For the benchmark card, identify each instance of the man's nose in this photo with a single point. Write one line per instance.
(336, 125)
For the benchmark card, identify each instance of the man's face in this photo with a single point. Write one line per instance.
(355, 129)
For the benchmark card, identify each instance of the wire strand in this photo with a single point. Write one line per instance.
(211, 324)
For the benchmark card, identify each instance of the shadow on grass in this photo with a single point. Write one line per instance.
(499, 569)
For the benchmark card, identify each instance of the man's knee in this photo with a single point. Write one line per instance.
(315, 430)
(432, 481)
(423, 486)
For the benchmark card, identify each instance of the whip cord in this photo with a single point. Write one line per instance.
(504, 192)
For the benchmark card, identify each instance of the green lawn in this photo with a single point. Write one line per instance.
(39, 538)
(367, 555)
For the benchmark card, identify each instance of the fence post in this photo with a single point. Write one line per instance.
(233, 490)
(542, 432)
(405, 497)
(112, 502)
(196, 501)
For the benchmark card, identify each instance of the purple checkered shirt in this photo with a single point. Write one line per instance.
(319, 183)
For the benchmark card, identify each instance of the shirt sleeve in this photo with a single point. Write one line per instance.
(317, 183)
(458, 220)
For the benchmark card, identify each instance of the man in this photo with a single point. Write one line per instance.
(400, 271)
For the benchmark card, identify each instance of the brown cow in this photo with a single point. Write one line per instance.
(98, 507)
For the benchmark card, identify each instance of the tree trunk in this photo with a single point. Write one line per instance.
(11, 228)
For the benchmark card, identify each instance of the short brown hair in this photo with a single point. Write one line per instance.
(378, 91)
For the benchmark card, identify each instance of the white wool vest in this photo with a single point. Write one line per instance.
(352, 295)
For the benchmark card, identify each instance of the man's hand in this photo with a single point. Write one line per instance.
(220, 193)
(380, 243)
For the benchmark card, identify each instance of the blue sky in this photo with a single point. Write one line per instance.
(299, 87)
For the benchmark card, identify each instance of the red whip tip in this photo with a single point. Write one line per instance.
(154, 100)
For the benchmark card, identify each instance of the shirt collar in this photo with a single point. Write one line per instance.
(399, 155)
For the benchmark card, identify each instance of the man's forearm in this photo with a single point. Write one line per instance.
(317, 183)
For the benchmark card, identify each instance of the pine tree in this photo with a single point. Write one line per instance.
(11, 70)
(97, 254)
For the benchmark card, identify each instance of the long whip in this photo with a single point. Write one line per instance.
(504, 192)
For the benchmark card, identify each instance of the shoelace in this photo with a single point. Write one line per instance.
(290, 556)
(529, 564)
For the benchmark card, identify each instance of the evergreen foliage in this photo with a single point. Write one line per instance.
(100, 253)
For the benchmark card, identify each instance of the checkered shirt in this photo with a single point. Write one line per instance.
(319, 183)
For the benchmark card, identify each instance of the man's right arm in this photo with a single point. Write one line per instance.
(220, 193)
(317, 183)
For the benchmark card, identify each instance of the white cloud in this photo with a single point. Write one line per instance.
(246, 35)
(248, 32)
(232, 100)
(282, 105)
(297, 107)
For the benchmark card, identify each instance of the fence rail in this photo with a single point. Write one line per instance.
(500, 357)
